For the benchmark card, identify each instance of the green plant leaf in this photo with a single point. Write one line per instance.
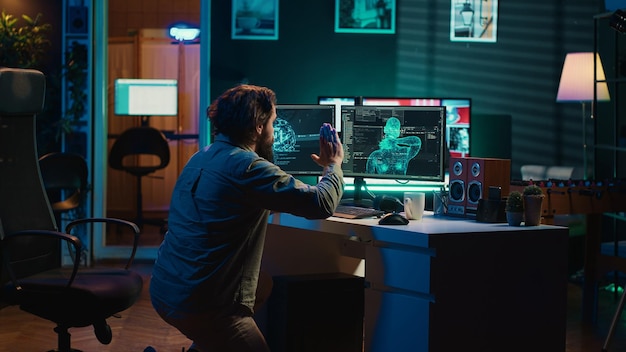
(28, 19)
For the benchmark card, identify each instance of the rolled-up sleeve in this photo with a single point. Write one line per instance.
(276, 190)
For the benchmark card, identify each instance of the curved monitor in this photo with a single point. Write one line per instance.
(394, 142)
(297, 135)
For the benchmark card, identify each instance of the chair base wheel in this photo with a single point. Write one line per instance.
(103, 333)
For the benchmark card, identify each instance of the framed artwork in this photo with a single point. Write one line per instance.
(254, 19)
(473, 20)
(365, 16)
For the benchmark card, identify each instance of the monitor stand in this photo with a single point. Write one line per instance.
(359, 188)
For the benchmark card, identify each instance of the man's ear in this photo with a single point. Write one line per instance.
(259, 129)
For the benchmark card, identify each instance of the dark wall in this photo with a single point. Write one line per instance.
(308, 59)
(517, 76)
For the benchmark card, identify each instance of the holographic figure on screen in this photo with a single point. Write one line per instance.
(394, 152)
(284, 136)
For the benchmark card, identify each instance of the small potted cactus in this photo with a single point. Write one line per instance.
(533, 200)
(514, 208)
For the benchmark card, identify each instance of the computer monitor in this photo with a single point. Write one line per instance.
(458, 115)
(146, 97)
(296, 136)
(394, 142)
(458, 124)
(337, 102)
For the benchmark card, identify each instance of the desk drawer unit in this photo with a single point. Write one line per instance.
(393, 323)
(468, 292)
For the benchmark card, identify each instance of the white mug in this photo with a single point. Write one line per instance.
(414, 203)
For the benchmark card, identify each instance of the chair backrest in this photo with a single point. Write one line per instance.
(65, 179)
(23, 201)
(533, 172)
(564, 173)
(138, 141)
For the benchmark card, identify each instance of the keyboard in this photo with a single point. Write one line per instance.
(356, 212)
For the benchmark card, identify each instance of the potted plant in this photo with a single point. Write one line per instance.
(75, 73)
(514, 208)
(533, 200)
(24, 43)
(23, 46)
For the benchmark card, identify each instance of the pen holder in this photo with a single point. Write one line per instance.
(440, 202)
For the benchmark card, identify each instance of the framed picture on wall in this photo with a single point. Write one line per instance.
(255, 19)
(365, 16)
(474, 20)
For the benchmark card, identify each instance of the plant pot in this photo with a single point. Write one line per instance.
(532, 209)
(514, 218)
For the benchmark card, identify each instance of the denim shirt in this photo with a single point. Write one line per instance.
(211, 255)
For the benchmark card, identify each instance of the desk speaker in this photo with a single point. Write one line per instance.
(483, 173)
(457, 187)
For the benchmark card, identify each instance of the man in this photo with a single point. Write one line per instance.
(205, 277)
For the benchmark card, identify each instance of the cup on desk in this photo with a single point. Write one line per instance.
(414, 203)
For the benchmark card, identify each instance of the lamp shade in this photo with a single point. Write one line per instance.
(577, 79)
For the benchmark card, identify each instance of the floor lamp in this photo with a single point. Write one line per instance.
(576, 84)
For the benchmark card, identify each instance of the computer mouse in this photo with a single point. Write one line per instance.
(393, 219)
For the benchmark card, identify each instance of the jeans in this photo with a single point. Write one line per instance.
(234, 331)
(231, 330)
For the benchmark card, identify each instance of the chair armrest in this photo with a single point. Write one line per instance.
(127, 223)
(5, 244)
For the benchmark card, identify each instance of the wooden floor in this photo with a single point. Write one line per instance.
(586, 338)
(140, 327)
(137, 328)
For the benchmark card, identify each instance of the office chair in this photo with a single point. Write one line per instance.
(140, 151)
(65, 181)
(32, 275)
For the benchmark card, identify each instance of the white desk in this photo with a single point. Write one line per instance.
(438, 284)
